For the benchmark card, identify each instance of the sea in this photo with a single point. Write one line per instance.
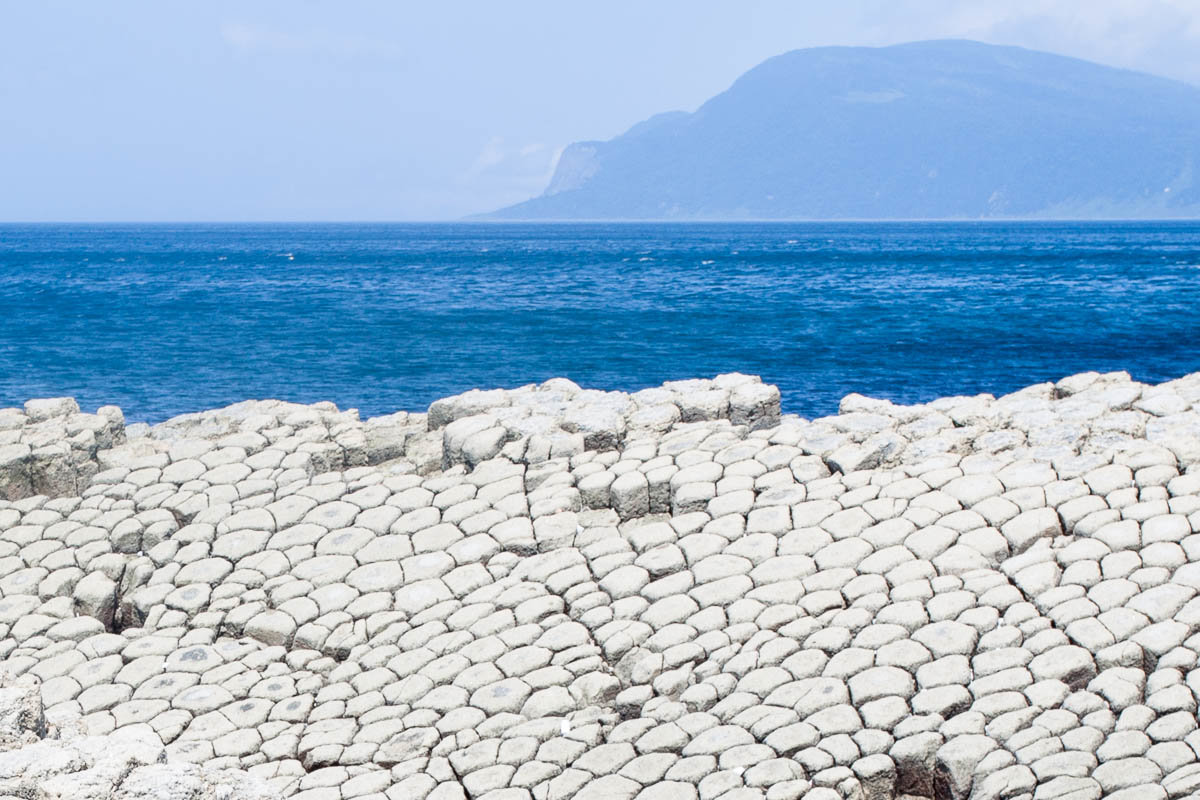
(165, 319)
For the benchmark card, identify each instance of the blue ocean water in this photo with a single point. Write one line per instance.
(165, 319)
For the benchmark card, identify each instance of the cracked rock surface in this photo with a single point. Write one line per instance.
(553, 593)
(43, 761)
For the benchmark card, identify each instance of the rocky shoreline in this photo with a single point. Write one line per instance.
(553, 592)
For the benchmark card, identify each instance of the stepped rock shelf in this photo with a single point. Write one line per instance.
(556, 593)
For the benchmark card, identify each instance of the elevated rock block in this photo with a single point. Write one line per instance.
(16, 478)
(755, 405)
(49, 408)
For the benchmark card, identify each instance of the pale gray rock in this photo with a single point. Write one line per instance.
(755, 405)
(16, 479)
(631, 495)
(1030, 526)
(341, 606)
(44, 409)
(955, 764)
(443, 412)
(129, 764)
(96, 596)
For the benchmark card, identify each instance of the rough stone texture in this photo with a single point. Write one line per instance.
(553, 592)
(44, 761)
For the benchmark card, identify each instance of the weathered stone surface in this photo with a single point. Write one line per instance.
(45, 760)
(557, 592)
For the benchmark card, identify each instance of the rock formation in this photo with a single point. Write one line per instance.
(46, 762)
(553, 593)
(922, 130)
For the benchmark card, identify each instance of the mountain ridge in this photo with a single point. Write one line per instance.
(944, 129)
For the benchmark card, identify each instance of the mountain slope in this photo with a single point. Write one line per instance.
(944, 129)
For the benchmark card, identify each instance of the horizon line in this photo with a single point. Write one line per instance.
(471, 220)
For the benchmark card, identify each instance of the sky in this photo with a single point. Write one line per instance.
(293, 110)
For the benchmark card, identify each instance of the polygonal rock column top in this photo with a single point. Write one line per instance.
(49, 408)
(1001, 600)
(43, 759)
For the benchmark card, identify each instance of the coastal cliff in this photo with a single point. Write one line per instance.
(928, 130)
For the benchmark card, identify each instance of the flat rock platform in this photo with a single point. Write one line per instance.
(551, 592)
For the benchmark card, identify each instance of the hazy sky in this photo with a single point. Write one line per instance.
(374, 110)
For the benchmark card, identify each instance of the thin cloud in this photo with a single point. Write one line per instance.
(247, 38)
(1157, 36)
(511, 172)
(490, 156)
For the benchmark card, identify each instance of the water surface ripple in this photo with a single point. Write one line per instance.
(164, 319)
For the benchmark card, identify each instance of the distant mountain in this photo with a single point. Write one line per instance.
(944, 129)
